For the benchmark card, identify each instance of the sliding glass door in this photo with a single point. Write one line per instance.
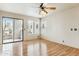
(12, 30)
(18, 30)
(7, 30)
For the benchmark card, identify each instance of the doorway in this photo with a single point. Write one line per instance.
(12, 30)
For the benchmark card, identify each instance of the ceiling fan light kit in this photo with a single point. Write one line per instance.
(43, 13)
(45, 10)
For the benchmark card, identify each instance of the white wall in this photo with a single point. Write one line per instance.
(25, 19)
(0, 30)
(59, 25)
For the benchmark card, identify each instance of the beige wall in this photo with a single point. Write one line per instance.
(59, 25)
(25, 18)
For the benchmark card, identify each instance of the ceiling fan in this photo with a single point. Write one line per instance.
(43, 8)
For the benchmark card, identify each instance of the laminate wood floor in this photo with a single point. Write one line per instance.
(37, 47)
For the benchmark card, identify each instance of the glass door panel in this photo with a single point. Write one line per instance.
(7, 30)
(18, 30)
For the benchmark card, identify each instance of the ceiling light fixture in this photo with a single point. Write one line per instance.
(43, 13)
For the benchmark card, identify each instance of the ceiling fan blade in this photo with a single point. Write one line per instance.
(44, 11)
(41, 5)
(50, 8)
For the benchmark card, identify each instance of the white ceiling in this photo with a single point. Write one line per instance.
(31, 9)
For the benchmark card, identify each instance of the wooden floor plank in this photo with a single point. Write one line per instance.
(37, 47)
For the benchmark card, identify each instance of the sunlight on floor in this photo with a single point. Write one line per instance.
(18, 49)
